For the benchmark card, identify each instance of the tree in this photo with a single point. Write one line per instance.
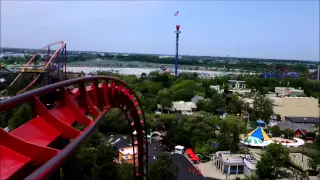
(15, 122)
(201, 105)
(275, 131)
(104, 167)
(289, 133)
(312, 164)
(274, 157)
(230, 129)
(154, 88)
(262, 108)
(209, 92)
(158, 77)
(235, 105)
(279, 152)
(143, 76)
(266, 167)
(125, 171)
(236, 126)
(114, 121)
(86, 158)
(163, 168)
(21, 116)
(95, 139)
(164, 98)
(183, 95)
(203, 149)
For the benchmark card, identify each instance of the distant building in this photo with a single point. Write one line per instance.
(216, 87)
(182, 106)
(3, 55)
(295, 106)
(288, 91)
(235, 163)
(300, 125)
(235, 84)
(168, 56)
(238, 87)
(126, 155)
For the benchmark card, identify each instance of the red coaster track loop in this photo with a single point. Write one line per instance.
(29, 144)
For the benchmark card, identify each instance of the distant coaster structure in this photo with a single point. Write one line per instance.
(49, 69)
(280, 71)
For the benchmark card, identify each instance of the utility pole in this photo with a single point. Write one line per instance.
(177, 48)
(248, 121)
(248, 117)
(318, 73)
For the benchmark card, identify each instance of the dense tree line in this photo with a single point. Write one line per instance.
(256, 65)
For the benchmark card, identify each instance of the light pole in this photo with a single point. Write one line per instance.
(248, 117)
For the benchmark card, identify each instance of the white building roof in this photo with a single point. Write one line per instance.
(183, 106)
(179, 147)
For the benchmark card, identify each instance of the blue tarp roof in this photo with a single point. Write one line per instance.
(260, 121)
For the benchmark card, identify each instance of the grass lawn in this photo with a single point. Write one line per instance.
(312, 146)
(306, 150)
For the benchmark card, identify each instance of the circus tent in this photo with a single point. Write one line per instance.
(259, 133)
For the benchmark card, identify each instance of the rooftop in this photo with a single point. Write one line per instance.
(311, 120)
(179, 147)
(289, 125)
(295, 106)
(235, 81)
(232, 158)
(183, 106)
(228, 157)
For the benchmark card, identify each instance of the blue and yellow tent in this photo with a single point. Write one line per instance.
(259, 133)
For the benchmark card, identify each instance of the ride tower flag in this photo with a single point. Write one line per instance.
(177, 48)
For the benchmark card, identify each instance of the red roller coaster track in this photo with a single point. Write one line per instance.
(27, 152)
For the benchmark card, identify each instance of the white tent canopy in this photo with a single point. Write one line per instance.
(254, 141)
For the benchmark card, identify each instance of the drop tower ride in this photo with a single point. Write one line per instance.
(177, 48)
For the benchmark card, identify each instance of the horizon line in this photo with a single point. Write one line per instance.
(226, 56)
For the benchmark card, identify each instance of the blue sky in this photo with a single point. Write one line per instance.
(266, 29)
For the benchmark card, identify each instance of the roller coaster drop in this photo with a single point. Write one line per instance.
(47, 142)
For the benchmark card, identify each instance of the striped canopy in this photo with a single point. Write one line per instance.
(254, 141)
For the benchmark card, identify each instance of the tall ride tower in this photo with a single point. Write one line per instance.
(177, 48)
